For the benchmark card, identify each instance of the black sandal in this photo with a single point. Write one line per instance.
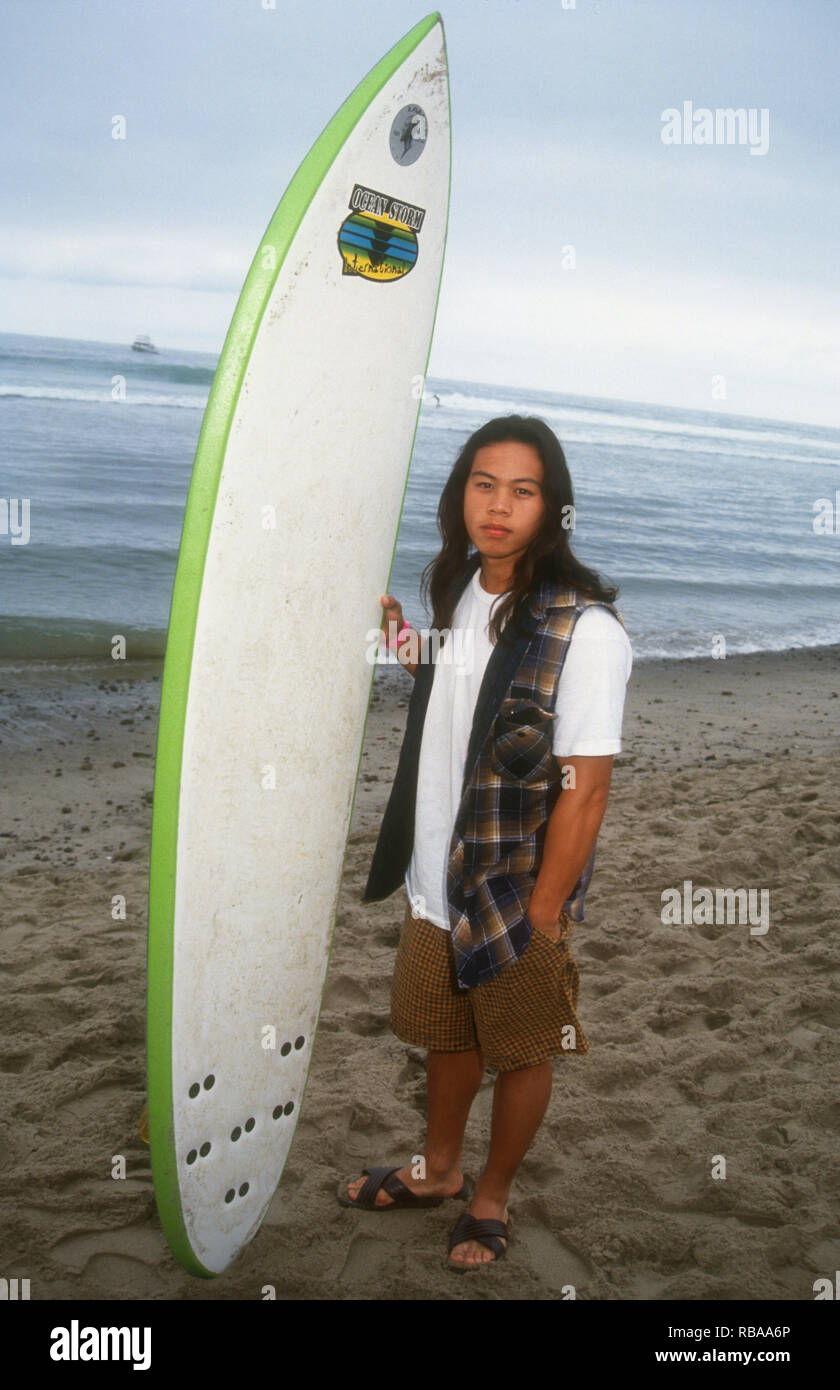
(486, 1231)
(401, 1196)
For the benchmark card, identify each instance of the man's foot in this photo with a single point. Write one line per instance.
(470, 1253)
(435, 1187)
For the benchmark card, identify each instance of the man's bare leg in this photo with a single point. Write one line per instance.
(520, 1099)
(453, 1079)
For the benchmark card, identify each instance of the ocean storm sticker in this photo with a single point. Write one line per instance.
(379, 239)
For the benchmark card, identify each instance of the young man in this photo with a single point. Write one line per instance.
(502, 784)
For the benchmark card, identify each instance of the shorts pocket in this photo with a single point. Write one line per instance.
(561, 945)
(522, 741)
(567, 926)
(552, 945)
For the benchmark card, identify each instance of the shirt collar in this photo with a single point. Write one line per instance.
(544, 597)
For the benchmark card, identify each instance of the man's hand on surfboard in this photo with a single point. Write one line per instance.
(392, 624)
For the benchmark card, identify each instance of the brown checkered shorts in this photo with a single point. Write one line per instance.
(524, 1016)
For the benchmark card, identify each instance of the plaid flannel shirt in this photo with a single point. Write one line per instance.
(510, 786)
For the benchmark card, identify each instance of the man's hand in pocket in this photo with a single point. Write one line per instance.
(544, 922)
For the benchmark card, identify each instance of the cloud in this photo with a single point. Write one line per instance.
(644, 335)
(174, 259)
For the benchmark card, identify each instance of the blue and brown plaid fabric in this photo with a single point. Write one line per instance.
(512, 788)
(511, 784)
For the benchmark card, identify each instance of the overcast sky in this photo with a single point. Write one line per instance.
(691, 262)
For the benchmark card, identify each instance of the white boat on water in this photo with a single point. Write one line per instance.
(143, 343)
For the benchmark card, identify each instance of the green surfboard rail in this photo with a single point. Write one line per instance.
(195, 536)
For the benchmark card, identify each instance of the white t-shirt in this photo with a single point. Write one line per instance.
(587, 723)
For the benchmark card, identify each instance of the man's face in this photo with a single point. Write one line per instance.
(503, 501)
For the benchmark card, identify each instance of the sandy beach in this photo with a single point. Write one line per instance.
(706, 1040)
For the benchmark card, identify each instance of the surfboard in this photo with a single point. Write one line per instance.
(287, 542)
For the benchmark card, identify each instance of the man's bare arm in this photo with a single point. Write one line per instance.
(572, 829)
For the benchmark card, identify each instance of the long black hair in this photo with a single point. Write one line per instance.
(548, 557)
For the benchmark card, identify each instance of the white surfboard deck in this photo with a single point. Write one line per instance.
(312, 419)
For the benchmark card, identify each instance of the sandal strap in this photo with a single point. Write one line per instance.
(383, 1177)
(486, 1230)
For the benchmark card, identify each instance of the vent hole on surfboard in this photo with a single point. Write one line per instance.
(249, 1124)
(236, 1134)
(204, 1150)
(209, 1082)
(277, 1112)
(192, 1156)
(285, 1049)
(230, 1194)
(288, 1107)
(299, 1043)
(243, 1189)
(194, 1090)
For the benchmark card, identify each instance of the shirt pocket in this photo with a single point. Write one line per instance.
(522, 742)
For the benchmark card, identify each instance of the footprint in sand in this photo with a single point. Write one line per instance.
(601, 950)
(552, 1258)
(389, 939)
(667, 1025)
(344, 992)
(126, 1259)
(367, 1024)
(373, 1261)
(13, 1063)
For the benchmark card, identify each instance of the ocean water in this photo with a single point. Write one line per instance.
(705, 521)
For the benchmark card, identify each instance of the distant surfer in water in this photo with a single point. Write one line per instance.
(491, 825)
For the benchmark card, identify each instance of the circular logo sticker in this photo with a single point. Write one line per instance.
(379, 239)
(409, 130)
